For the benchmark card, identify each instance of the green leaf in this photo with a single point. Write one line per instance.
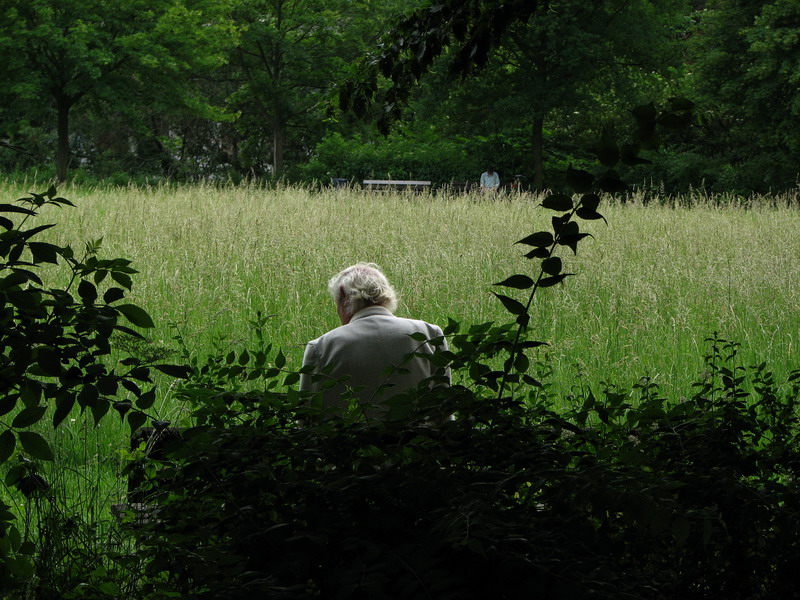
(113, 294)
(551, 281)
(10, 208)
(122, 279)
(540, 239)
(28, 416)
(135, 315)
(558, 202)
(538, 253)
(244, 357)
(31, 393)
(13, 279)
(122, 407)
(645, 116)
(8, 441)
(675, 120)
(44, 253)
(588, 215)
(280, 360)
(177, 371)
(131, 387)
(680, 528)
(611, 183)
(146, 400)
(579, 180)
(452, 326)
(418, 336)
(570, 236)
(552, 266)
(519, 282)
(88, 396)
(35, 445)
(607, 150)
(20, 567)
(681, 104)
(108, 385)
(630, 155)
(87, 291)
(590, 202)
(100, 409)
(64, 406)
(513, 306)
(521, 363)
(49, 361)
(532, 344)
(136, 420)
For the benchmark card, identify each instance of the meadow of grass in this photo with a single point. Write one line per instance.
(649, 287)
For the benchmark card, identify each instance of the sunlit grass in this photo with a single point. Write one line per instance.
(649, 287)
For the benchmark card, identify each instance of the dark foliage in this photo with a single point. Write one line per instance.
(613, 499)
(54, 344)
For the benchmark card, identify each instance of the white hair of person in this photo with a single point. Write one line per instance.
(362, 285)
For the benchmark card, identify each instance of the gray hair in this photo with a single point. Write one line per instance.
(362, 285)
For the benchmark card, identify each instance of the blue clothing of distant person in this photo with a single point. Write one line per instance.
(490, 180)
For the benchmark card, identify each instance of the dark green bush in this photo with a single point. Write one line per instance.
(55, 341)
(620, 497)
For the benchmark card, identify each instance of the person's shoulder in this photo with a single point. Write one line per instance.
(333, 333)
(421, 325)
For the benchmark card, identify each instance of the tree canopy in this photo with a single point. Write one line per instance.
(253, 88)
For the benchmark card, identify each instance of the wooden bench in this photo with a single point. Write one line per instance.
(396, 184)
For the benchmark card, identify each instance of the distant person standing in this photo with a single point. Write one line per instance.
(490, 181)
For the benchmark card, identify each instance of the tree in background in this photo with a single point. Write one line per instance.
(113, 51)
(291, 53)
(529, 61)
(744, 72)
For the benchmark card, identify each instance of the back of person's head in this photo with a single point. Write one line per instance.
(362, 285)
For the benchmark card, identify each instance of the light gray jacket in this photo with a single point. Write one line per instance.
(362, 351)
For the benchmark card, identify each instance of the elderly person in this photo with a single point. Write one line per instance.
(367, 355)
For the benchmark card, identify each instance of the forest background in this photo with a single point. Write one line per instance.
(178, 90)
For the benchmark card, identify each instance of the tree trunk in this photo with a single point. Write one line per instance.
(62, 153)
(538, 161)
(278, 141)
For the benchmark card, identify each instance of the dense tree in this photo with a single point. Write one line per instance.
(291, 53)
(745, 69)
(71, 50)
(773, 70)
(562, 57)
(575, 58)
(191, 88)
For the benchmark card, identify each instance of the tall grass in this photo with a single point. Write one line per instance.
(650, 286)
